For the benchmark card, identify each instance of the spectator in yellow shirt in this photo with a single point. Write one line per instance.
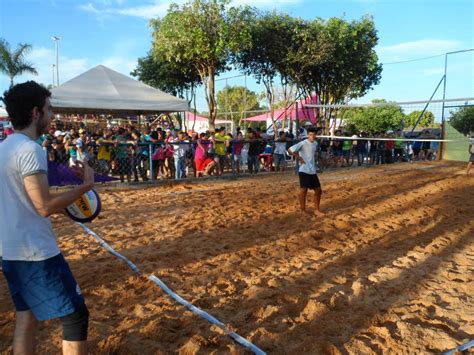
(222, 142)
(104, 154)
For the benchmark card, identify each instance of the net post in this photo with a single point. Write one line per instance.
(443, 123)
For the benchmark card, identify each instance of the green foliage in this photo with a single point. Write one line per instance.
(12, 62)
(202, 33)
(264, 55)
(334, 58)
(166, 76)
(427, 120)
(373, 119)
(237, 99)
(463, 120)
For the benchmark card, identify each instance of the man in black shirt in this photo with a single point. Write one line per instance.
(254, 150)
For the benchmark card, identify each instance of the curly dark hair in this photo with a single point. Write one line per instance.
(20, 101)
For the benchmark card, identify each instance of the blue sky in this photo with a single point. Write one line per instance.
(115, 33)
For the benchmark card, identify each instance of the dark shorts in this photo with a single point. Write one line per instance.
(471, 159)
(337, 152)
(47, 287)
(309, 181)
(346, 153)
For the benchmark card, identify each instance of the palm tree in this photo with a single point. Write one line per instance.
(12, 63)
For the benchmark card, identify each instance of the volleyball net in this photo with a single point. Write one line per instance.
(348, 135)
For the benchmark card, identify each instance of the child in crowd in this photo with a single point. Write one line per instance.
(204, 163)
(279, 154)
(238, 145)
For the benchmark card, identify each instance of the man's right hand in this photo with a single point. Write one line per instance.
(88, 176)
(83, 171)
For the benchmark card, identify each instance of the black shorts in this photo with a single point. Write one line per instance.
(309, 181)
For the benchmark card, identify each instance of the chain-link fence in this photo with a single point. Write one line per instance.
(177, 160)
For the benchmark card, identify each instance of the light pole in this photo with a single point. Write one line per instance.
(53, 66)
(56, 40)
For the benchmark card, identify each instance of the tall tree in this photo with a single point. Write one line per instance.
(236, 100)
(335, 59)
(167, 76)
(201, 32)
(373, 119)
(263, 56)
(463, 119)
(12, 62)
(427, 120)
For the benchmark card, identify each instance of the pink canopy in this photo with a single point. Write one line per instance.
(190, 117)
(304, 114)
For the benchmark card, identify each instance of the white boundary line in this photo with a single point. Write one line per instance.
(242, 341)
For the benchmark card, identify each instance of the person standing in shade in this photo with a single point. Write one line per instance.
(398, 147)
(361, 149)
(381, 150)
(346, 151)
(253, 153)
(280, 152)
(305, 152)
(179, 155)
(222, 142)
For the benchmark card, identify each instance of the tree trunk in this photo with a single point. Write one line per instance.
(286, 99)
(212, 100)
(208, 82)
(270, 97)
(193, 91)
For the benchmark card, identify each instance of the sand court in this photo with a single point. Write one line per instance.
(390, 268)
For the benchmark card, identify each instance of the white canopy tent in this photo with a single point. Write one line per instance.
(101, 90)
(201, 124)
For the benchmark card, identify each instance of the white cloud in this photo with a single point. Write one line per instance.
(159, 8)
(89, 8)
(43, 58)
(122, 65)
(266, 3)
(433, 71)
(413, 49)
(149, 11)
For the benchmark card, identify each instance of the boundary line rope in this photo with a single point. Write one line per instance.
(236, 337)
(462, 347)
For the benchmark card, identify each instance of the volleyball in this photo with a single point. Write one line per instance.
(86, 208)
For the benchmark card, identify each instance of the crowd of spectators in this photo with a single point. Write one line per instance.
(133, 154)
